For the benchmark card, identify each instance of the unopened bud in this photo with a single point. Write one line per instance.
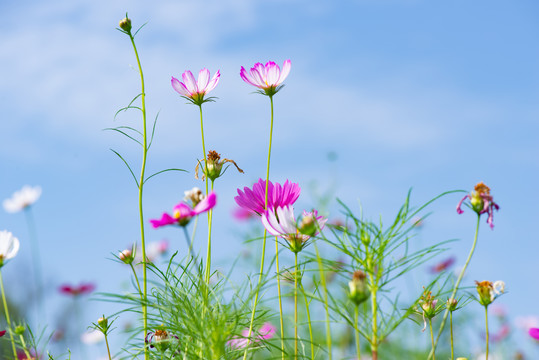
(19, 330)
(359, 291)
(307, 226)
(452, 304)
(126, 256)
(125, 25)
(103, 322)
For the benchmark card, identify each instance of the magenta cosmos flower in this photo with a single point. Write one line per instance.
(481, 202)
(282, 222)
(182, 213)
(267, 78)
(265, 332)
(82, 289)
(534, 333)
(195, 91)
(254, 200)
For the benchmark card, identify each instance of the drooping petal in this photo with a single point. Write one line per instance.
(189, 82)
(208, 203)
(179, 87)
(166, 219)
(459, 205)
(285, 71)
(213, 82)
(203, 79)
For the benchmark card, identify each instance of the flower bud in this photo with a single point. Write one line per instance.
(308, 225)
(127, 256)
(485, 291)
(125, 25)
(359, 291)
(365, 237)
(19, 330)
(452, 304)
(103, 322)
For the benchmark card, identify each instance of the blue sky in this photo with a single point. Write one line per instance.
(406, 93)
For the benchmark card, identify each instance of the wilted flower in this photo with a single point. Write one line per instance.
(92, 337)
(534, 333)
(429, 306)
(278, 196)
(182, 213)
(21, 199)
(9, 246)
(214, 166)
(481, 202)
(488, 291)
(265, 332)
(267, 78)
(359, 291)
(194, 91)
(442, 266)
(195, 195)
(82, 289)
(160, 339)
(281, 222)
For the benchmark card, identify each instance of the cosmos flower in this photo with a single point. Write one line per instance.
(534, 333)
(9, 246)
(278, 196)
(92, 337)
(442, 266)
(282, 222)
(265, 332)
(489, 291)
(195, 91)
(82, 289)
(21, 199)
(267, 78)
(182, 213)
(160, 339)
(481, 202)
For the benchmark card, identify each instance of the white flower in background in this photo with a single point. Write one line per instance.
(527, 322)
(9, 246)
(22, 199)
(153, 251)
(92, 337)
(483, 356)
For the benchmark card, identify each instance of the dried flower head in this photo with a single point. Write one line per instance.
(195, 195)
(489, 291)
(214, 166)
(359, 290)
(481, 202)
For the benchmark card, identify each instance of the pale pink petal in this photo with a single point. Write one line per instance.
(285, 71)
(258, 78)
(208, 203)
(203, 79)
(213, 82)
(271, 224)
(180, 87)
(287, 219)
(459, 205)
(247, 77)
(189, 82)
(272, 73)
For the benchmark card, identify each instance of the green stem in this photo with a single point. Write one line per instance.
(10, 330)
(208, 255)
(189, 243)
(326, 303)
(136, 279)
(486, 328)
(308, 320)
(374, 340)
(432, 339)
(108, 348)
(140, 188)
(358, 348)
(263, 244)
(296, 274)
(279, 295)
(36, 263)
(24, 347)
(455, 289)
(451, 331)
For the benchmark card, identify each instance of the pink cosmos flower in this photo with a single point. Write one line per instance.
(265, 332)
(242, 214)
(182, 213)
(282, 223)
(481, 202)
(195, 91)
(278, 195)
(534, 333)
(2, 333)
(82, 289)
(267, 78)
(442, 266)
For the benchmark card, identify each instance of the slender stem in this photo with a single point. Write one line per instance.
(188, 241)
(326, 303)
(451, 331)
(24, 347)
(308, 320)
(263, 244)
(432, 339)
(140, 188)
(279, 295)
(358, 348)
(108, 348)
(486, 328)
(374, 340)
(7, 316)
(36, 263)
(296, 274)
(136, 279)
(208, 255)
(455, 289)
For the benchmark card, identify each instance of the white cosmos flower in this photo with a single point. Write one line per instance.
(22, 199)
(92, 337)
(9, 246)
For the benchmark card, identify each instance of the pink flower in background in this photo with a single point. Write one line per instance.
(2, 333)
(21, 199)
(278, 196)
(267, 78)
(282, 223)
(182, 213)
(481, 202)
(265, 332)
(534, 333)
(502, 334)
(195, 91)
(527, 322)
(153, 251)
(442, 266)
(82, 289)
(242, 214)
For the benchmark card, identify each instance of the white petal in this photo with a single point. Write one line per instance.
(203, 79)
(285, 71)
